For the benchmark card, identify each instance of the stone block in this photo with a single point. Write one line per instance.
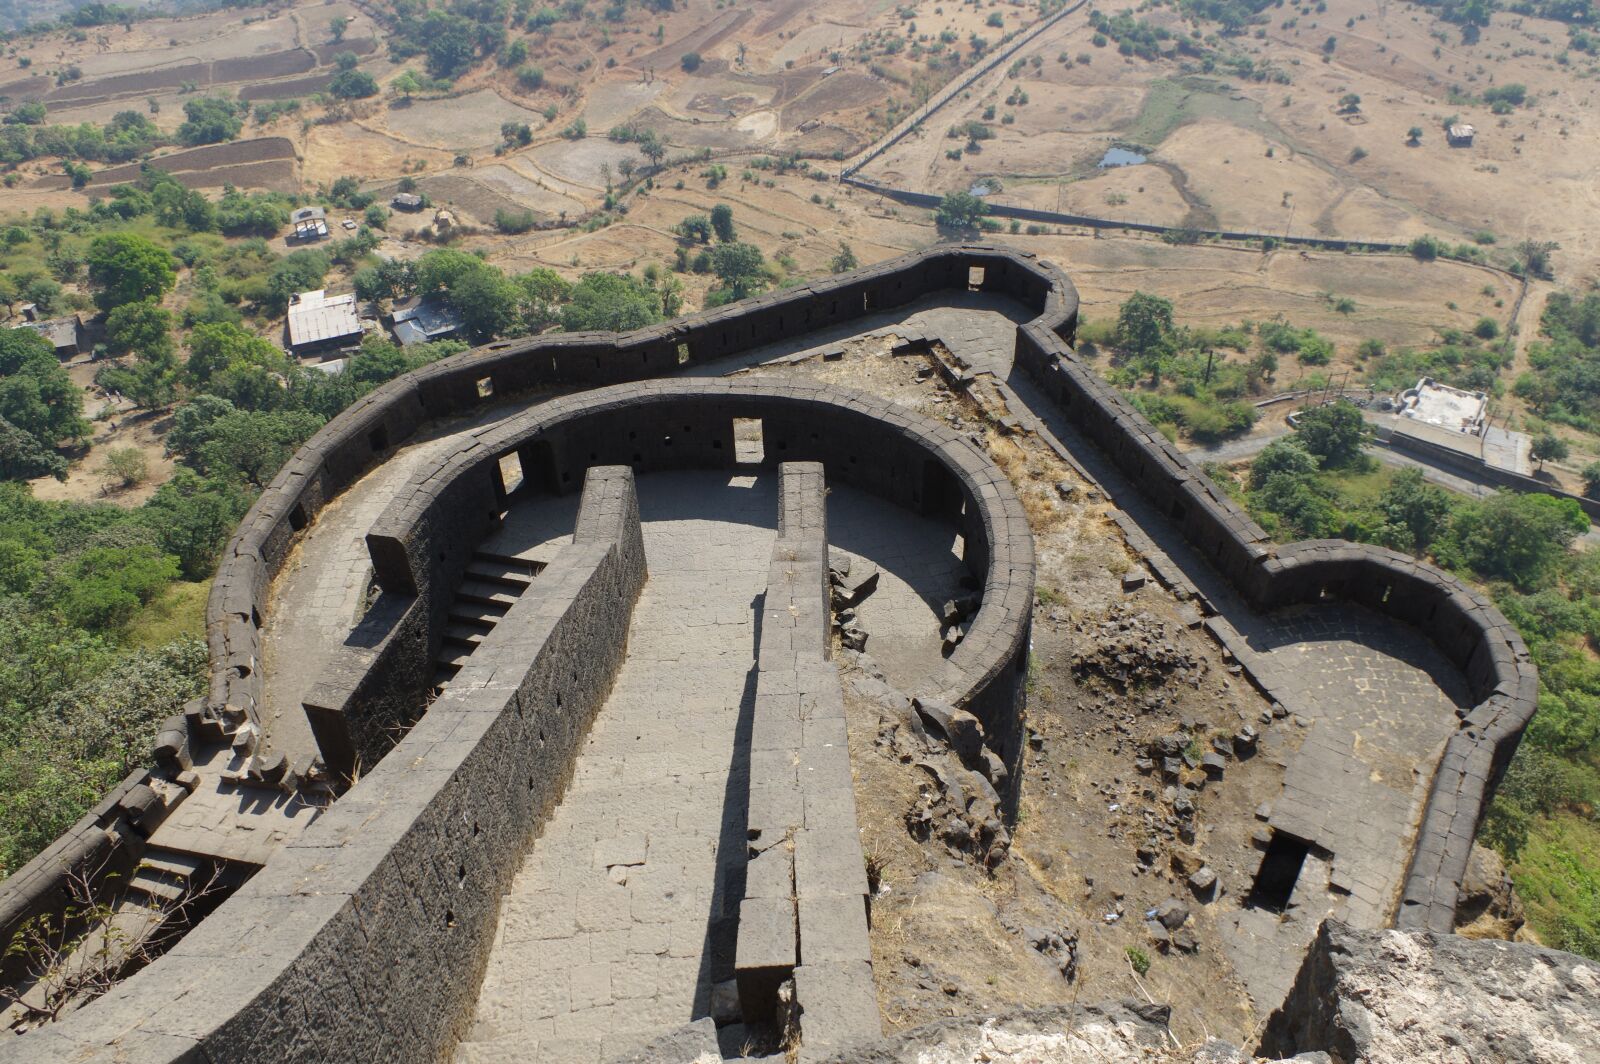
(766, 955)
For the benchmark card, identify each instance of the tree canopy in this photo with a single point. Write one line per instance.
(127, 268)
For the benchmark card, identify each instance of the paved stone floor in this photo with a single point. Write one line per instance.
(1380, 701)
(620, 919)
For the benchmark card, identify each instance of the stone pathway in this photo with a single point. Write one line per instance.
(618, 922)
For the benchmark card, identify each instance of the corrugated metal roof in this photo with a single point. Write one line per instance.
(316, 317)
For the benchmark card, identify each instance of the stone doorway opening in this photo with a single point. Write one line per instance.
(748, 446)
(1279, 871)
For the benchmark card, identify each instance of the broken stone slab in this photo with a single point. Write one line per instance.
(1134, 579)
(960, 729)
(1214, 766)
(853, 582)
(1204, 882)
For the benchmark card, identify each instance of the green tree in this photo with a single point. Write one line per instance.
(1285, 457)
(543, 291)
(142, 328)
(613, 302)
(99, 588)
(39, 404)
(696, 228)
(211, 120)
(960, 212)
(388, 279)
(722, 223)
(1414, 136)
(353, 85)
(407, 84)
(740, 268)
(690, 62)
(845, 261)
(337, 26)
(1548, 447)
(1591, 480)
(1520, 538)
(1335, 433)
(254, 444)
(298, 271)
(652, 147)
(127, 268)
(1415, 513)
(1144, 326)
(236, 365)
(1285, 495)
(485, 298)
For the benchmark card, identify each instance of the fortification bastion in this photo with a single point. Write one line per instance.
(531, 673)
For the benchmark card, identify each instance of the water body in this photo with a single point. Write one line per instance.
(1119, 157)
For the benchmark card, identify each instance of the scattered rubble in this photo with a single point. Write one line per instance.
(1133, 650)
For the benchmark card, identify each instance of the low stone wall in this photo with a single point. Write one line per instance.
(804, 912)
(107, 841)
(365, 939)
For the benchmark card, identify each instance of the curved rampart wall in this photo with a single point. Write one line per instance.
(861, 440)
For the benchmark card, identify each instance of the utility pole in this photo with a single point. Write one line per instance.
(1210, 356)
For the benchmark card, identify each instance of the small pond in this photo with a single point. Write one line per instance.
(1119, 157)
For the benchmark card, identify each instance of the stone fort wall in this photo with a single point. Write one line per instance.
(300, 906)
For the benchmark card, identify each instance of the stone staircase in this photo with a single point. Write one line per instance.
(490, 585)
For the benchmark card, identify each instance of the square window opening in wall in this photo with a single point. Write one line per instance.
(974, 277)
(378, 438)
(297, 517)
(683, 354)
(749, 446)
(1279, 872)
(511, 471)
(485, 387)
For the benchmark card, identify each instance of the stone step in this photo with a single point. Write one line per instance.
(496, 594)
(453, 655)
(531, 566)
(466, 635)
(184, 866)
(159, 887)
(486, 614)
(512, 574)
(442, 675)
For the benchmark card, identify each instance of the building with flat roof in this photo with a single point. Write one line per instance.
(1460, 135)
(1449, 408)
(406, 201)
(424, 320)
(318, 321)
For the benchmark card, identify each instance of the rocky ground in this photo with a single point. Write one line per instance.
(1362, 997)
